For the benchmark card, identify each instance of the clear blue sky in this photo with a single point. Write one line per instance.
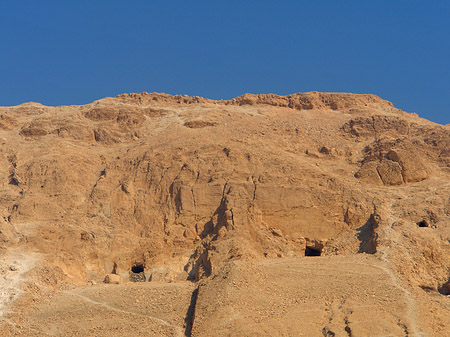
(73, 52)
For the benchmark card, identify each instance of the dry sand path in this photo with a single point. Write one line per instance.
(180, 330)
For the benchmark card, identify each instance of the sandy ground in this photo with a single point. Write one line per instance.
(134, 309)
(13, 267)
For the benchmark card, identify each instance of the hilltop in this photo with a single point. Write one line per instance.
(315, 214)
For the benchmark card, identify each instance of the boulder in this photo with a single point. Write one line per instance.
(112, 279)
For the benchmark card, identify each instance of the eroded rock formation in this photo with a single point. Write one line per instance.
(185, 186)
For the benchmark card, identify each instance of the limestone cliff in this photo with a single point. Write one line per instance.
(183, 186)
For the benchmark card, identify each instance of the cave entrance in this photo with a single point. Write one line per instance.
(423, 223)
(311, 251)
(137, 273)
(137, 268)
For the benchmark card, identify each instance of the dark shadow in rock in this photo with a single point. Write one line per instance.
(367, 236)
(199, 264)
(444, 289)
(190, 314)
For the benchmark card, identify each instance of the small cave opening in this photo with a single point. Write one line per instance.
(311, 251)
(137, 268)
(423, 223)
(137, 273)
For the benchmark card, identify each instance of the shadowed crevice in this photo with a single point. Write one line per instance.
(190, 314)
(367, 235)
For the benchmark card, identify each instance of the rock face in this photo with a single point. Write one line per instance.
(392, 163)
(187, 186)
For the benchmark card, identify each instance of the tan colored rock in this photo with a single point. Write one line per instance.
(390, 172)
(236, 198)
(112, 279)
(369, 173)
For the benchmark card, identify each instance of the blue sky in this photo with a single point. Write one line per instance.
(73, 52)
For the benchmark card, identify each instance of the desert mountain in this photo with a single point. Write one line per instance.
(312, 214)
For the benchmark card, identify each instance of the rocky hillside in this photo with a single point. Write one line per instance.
(204, 195)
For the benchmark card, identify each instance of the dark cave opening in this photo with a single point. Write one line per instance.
(310, 251)
(423, 223)
(137, 268)
(137, 273)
